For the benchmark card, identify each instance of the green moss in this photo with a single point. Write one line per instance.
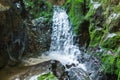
(101, 18)
(111, 64)
(105, 3)
(90, 13)
(48, 76)
(76, 12)
(108, 61)
(95, 36)
(116, 9)
(118, 76)
(38, 8)
(111, 43)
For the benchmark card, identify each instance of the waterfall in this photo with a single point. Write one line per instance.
(64, 50)
(79, 66)
(62, 46)
(62, 35)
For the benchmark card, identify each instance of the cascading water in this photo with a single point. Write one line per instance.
(64, 50)
(62, 45)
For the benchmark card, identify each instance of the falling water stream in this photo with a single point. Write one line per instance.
(62, 44)
(63, 48)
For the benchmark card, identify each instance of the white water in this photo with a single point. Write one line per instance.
(62, 46)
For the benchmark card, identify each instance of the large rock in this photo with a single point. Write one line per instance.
(40, 36)
(13, 35)
(39, 22)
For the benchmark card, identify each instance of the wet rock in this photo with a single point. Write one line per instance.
(26, 72)
(58, 70)
(84, 38)
(93, 68)
(40, 36)
(78, 74)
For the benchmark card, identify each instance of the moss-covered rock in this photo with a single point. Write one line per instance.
(111, 42)
(104, 33)
(38, 8)
(39, 22)
(76, 10)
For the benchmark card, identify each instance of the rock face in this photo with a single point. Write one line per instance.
(13, 35)
(23, 30)
(39, 22)
(104, 31)
(40, 36)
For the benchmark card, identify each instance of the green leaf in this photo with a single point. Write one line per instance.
(48, 76)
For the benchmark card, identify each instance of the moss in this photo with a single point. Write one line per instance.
(111, 43)
(103, 23)
(39, 8)
(48, 76)
(76, 10)
(95, 40)
(108, 61)
(111, 65)
(116, 9)
(74, 16)
(90, 13)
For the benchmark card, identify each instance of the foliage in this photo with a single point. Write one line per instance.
(111, 43)
(111, 64)
(39, 8)
(48, 76)
(90, 13)
(95, 41)
(116, 9)
(101, 25)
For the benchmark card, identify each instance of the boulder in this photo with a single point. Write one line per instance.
(78, 74)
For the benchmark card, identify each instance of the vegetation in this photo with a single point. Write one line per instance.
(76, 11)
(38, 8)
(48, 76)
(104, 21)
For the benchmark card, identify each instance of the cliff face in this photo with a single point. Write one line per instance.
(97, 24)
(13, 34)
(25, 27)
